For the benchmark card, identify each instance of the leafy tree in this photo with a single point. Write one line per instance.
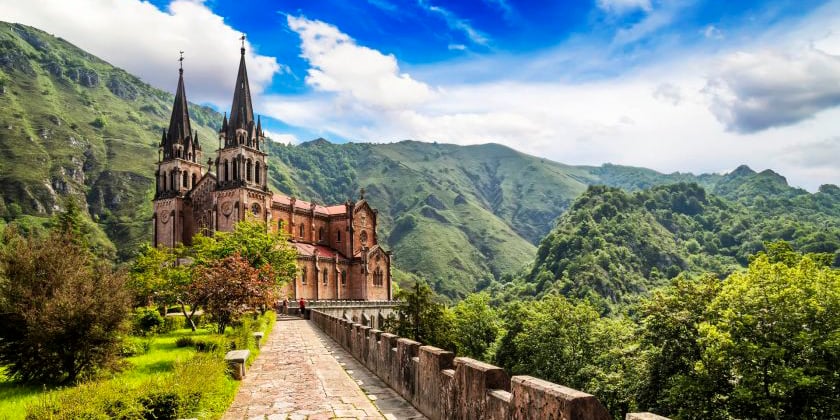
(159, 276)
(776, 340)
(476, 325)
(230, 286)
(62, 311)
(421, 318)
(253, 241)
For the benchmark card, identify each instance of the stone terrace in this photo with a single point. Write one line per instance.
(303, 374)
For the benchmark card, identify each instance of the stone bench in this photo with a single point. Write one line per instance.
(258, 336)
(236, 360)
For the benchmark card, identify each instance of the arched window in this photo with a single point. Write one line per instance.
(249, 168)
(326, 277)
(320, 234)
(363, 237)
(338, 236)
(377, 277)
(186, 180)
(255, 208)
(344, 277)
(227, 171)
(303, 276)
(194, 180)
(301, 230)
(172, 180)
(257, 172)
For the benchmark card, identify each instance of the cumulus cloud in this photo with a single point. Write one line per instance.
(338, 64)
(751, 92)
(145, 41)
(287, 138)
(623, 6)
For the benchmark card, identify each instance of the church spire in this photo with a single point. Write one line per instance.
(241, 111)
(180, 130)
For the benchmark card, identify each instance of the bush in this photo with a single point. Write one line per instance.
(172, 323)
(133, 346)
(184, 342)
(213, 344)
(147, 320)
(62, 310)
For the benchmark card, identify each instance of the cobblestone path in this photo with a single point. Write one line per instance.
(302, 374)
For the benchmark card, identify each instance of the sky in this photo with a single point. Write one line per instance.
(673, 85)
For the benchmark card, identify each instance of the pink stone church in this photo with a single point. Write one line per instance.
(339, 256)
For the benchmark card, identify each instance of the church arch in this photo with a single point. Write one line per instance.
(257, 172)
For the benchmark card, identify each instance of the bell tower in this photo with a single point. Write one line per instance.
(178, 170)
(241, 171)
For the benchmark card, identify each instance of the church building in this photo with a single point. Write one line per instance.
(338, 252)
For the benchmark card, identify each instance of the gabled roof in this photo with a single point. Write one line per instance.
(306, 205)
(308, 250)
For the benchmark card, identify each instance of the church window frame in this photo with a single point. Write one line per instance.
(186, 181)
(257, 172)
(249, 169)
(363, 238)
(303, 276)
(300, 230)
(344, 277)
(194, 179)
(338, 236)
(227, 171)
(320, 234)
(326, 277)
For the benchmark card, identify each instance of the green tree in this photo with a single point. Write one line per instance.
(62, 311)
(420, 317)
(254, 242)
(476, 325)
(776, 340)
(160, 277)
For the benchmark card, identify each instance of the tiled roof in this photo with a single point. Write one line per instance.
(306, 205)
(308, 250)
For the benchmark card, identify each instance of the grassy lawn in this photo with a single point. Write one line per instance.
(159, 361)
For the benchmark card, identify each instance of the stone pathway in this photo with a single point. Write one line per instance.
(300, 374)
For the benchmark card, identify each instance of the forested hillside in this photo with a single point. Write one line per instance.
(614, 245)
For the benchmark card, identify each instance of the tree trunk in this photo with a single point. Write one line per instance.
(188, 316)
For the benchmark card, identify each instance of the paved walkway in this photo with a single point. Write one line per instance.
(302, 374)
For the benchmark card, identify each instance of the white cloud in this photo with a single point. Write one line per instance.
(286, 138)
(145, 41)
(456, 23)
(712, 32)
(623, 6)
(754, 91)
(339, 65)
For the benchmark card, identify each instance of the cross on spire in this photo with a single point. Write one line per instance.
(242, 38)
(181, 62)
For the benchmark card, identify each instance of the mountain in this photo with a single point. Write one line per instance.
(462, 217)
(613, 245)
(72, 125)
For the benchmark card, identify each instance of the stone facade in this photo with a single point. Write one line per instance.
(339, 257)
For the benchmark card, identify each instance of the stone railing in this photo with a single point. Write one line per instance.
(442, 386)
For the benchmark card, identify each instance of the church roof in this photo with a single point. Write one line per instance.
(306, 205)
(241, 110)
(308, 250)
(180, 130)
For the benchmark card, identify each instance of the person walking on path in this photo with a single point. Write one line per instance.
(302, 308)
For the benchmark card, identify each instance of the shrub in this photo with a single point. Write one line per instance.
(147, 320)
(213, 344)
(62, 311)
(133, 346)
(172, 323)
(184, 342)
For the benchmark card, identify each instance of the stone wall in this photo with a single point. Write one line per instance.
(443, 386)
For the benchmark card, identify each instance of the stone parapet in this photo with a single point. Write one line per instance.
(442, 386)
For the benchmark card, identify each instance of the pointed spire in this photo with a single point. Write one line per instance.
(224, 124)
(241, 110)
(179, 124)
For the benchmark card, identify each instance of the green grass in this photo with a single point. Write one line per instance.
(140, 370)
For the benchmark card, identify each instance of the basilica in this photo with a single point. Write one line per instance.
(338, 253)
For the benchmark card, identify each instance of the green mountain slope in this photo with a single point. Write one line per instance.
(72, 125)
(612, 244)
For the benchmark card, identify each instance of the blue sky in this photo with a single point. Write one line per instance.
(688, 85)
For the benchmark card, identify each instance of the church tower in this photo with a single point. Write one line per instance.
(178, 171)
(241, 171)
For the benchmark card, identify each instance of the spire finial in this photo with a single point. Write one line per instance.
(242, 38)
(362, 193)
(181, 63)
